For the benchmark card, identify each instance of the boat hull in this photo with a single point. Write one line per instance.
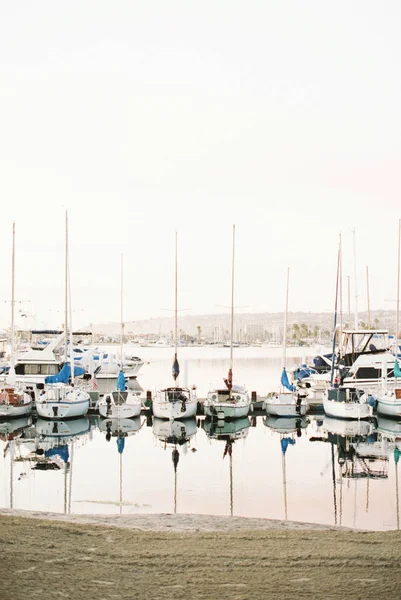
(389, 405)
(59, 403)
(347, 410)
(286, 405)
(125, 411)
(8, 411)
(163, 409)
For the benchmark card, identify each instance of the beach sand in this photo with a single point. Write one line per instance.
(45, 555)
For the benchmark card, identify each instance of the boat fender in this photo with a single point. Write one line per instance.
(372, 401)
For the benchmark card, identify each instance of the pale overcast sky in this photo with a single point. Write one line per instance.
(142, 118)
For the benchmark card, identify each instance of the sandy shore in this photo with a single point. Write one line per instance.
(47, 555)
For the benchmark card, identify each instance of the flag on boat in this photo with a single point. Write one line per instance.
(285, 383)
(397, 370)
(94, 382)
(121, 382)
(285, 443)
(229, 380)
(176, 367)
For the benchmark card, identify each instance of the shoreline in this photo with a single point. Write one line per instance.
(184, 522)
(182, 557)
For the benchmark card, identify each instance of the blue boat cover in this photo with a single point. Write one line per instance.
(285, 382)
(61, 451)
(64, 375)
(121, 382)
(285, 443)
(303, 371)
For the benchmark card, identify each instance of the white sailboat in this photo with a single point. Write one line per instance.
(290, 401)
(175, 402)
(233, 401)
(120, 403)
(389, 400)
(341, 401)
(59, 398)
(14, 400)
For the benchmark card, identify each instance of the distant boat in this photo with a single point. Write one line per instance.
(120, 403)
(175, 402)
(233, 401)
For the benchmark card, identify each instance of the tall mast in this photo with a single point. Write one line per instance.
(13, 301)
(355, 283)
(341, 299)
(121, 314)
(367, 292)
(285, 320)
(66, 291)
(397, 320)
(333, 360)
(232, 303)
(176, 298)
(68, 298)
(349, 301)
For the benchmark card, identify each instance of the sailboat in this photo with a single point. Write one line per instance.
(389, 400)
(175, 402)
(290, 401)
(14, 401)
(233, 401)
(121, 403)
(340, 401)
(59, 398)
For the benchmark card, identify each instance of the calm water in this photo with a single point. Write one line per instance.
(316, 470)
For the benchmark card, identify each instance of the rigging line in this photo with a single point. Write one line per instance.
(231, 486)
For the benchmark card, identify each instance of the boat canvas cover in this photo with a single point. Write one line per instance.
(64, 375)
(286, 383)
(121, 382)
(397, 370)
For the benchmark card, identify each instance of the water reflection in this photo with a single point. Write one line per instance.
(228, 432)
(312, 469)
(172, 434)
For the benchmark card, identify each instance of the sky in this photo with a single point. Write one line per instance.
(145, 118)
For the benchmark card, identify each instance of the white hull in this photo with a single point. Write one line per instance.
(127, 410)
(389, 405)
(225, 410)
(11, 411)
(347, 410)
(15, 425)
(163, 409)
(175, 403)
(62, 402)
(285, 405)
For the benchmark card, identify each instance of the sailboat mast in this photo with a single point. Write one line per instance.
(397, 320)
(176, 297)
(66, 291)
(333, 360)
(13, 301)
(121, 312)
(368, 295)
(355, 283)
(232, 303)
(285, 320)
(68, 299)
